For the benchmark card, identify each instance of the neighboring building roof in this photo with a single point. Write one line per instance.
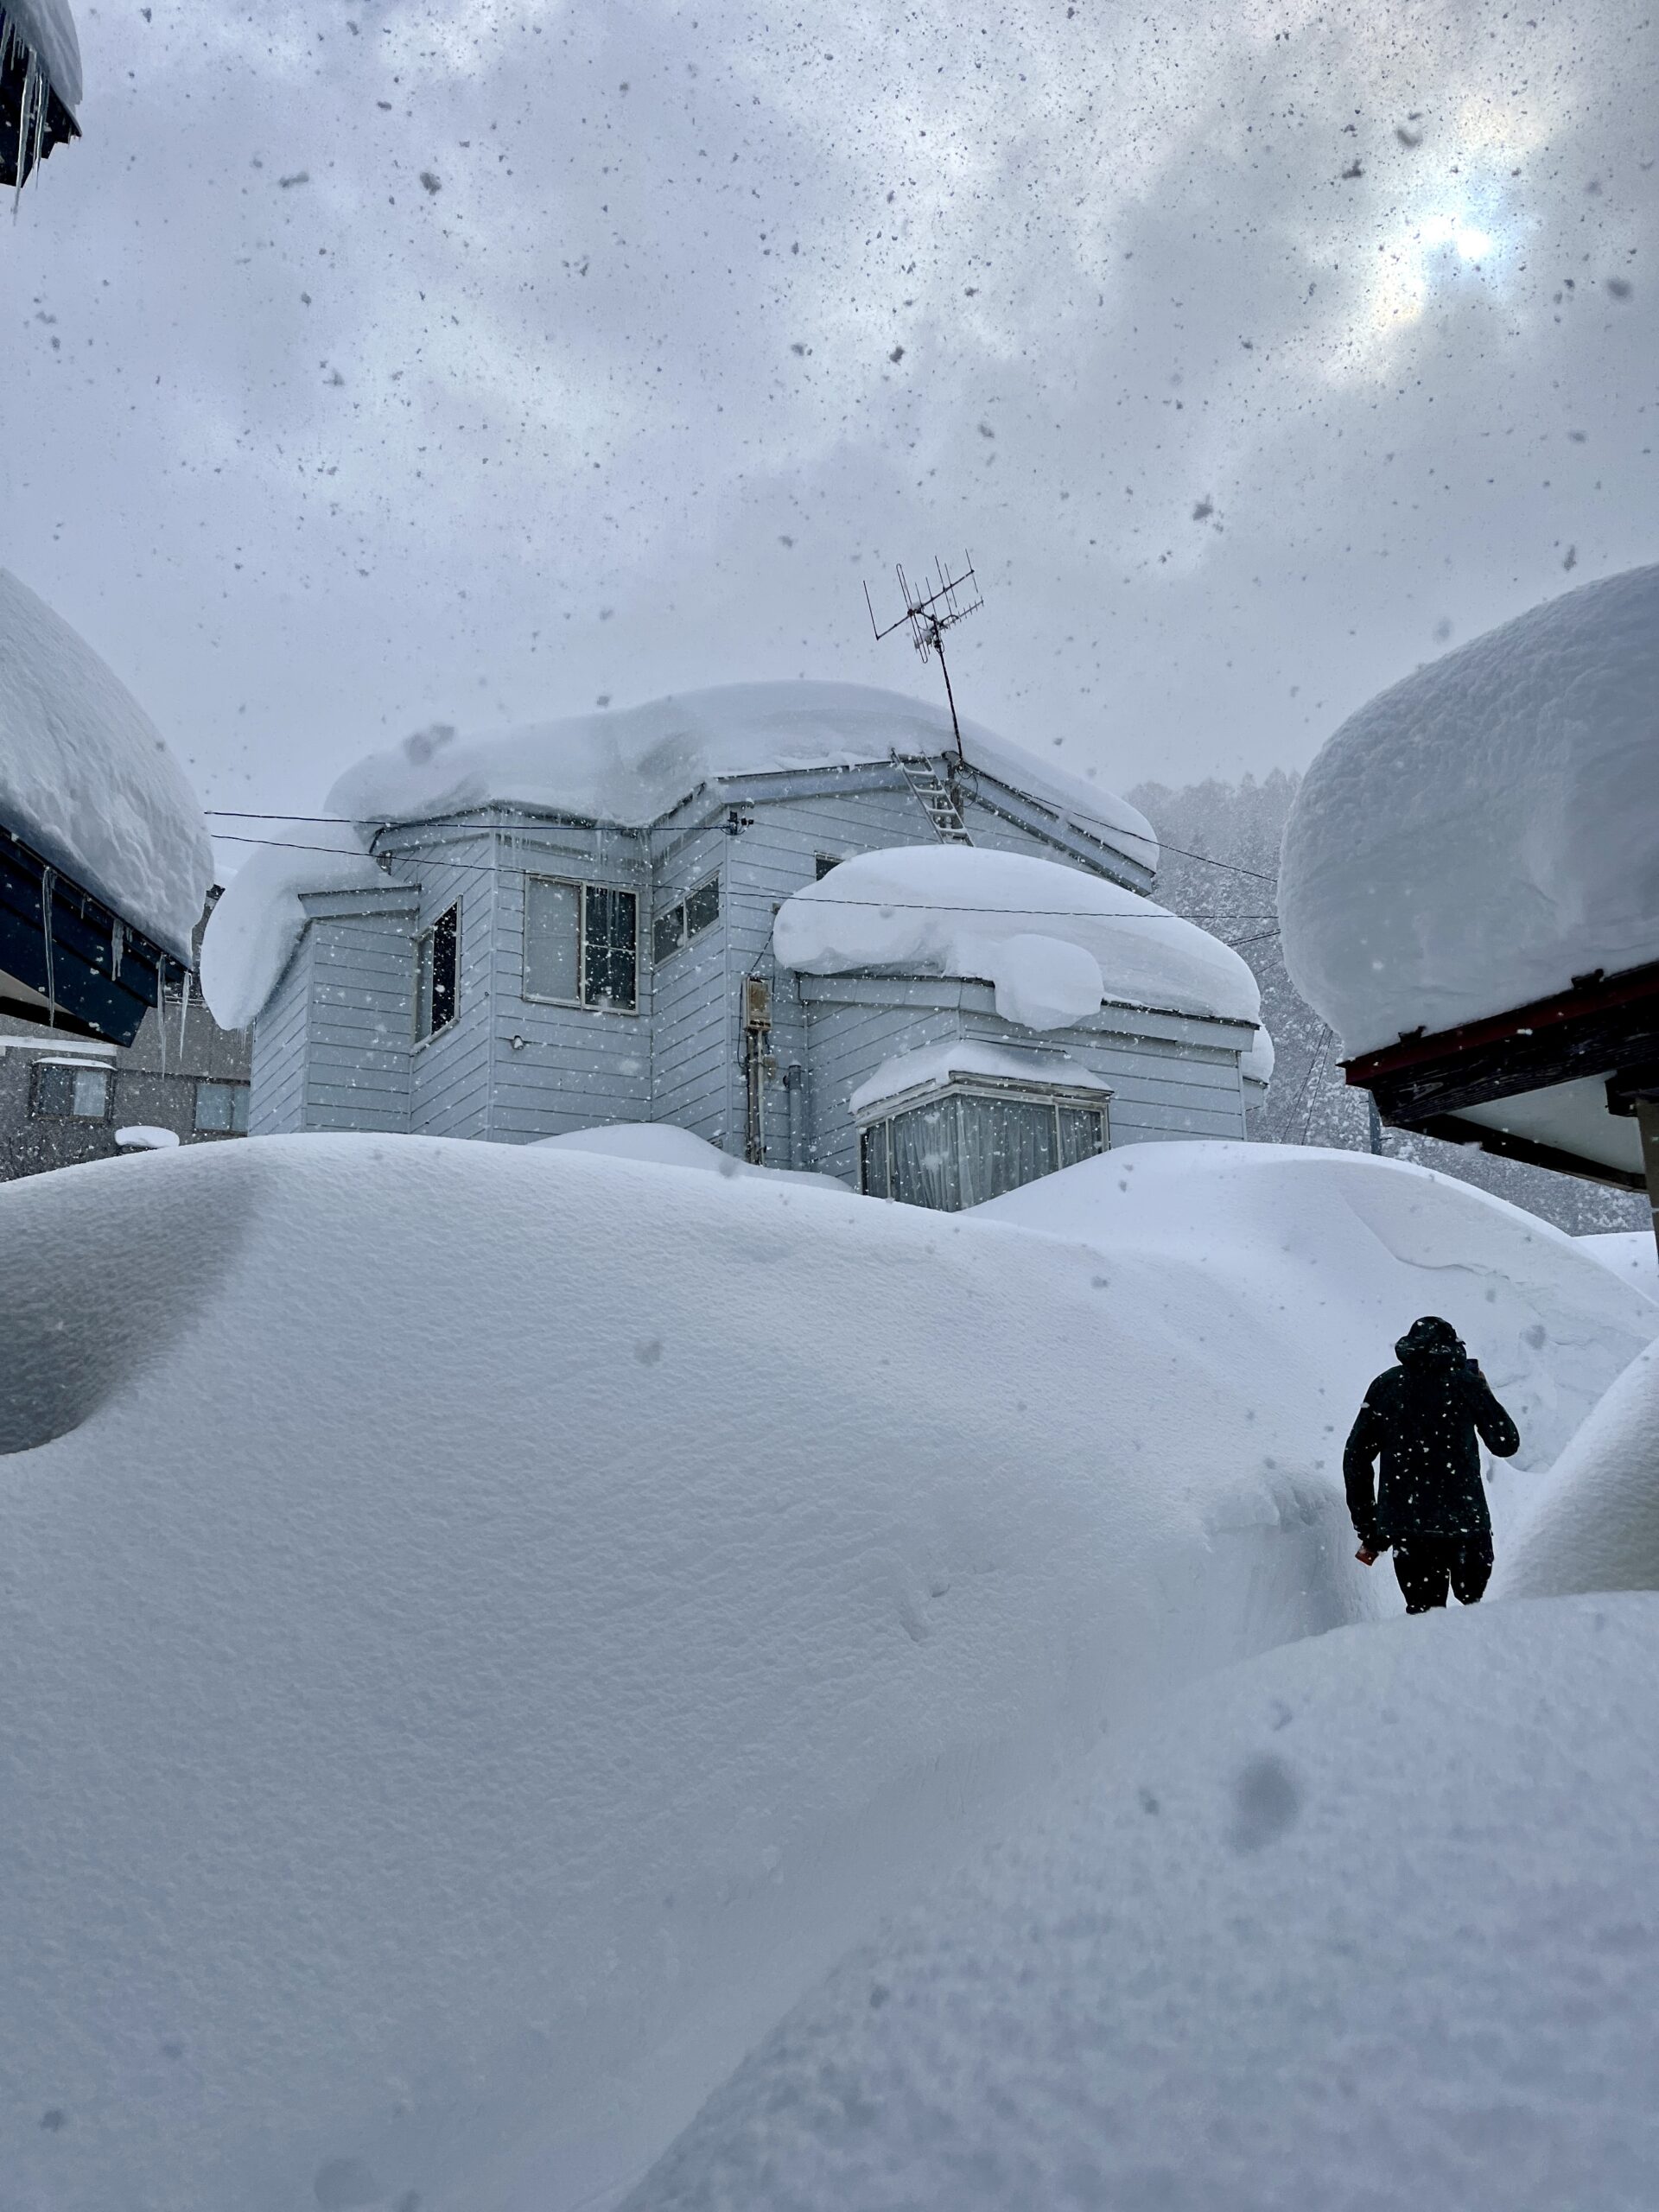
(635, 764)
(87, 782)
(1485, 833)
(47, 28)
(962, 1059)
(1054, 941)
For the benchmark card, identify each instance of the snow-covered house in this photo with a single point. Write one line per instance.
(105, 859)
(783, 917)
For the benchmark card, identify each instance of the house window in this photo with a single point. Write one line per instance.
(971, 1143)
(68, 1093)
(222, 1108)
(696, 913)
(581, 945)
(825, 862)
(437, 989)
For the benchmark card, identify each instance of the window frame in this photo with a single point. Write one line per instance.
(688, 936)
(39, 1113)
(582, 885)
(235, 1091)
(1055, 1096)
(426, 1030)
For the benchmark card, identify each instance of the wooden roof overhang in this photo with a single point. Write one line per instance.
(1601, 1035)
(68, 961)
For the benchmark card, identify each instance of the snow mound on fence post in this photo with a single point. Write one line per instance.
(87, 779)
(1367, 1925)
(1487, 829)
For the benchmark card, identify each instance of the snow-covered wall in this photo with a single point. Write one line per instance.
(1488, 828)
(87, 778)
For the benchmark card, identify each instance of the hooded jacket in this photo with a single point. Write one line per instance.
(1421, 1419)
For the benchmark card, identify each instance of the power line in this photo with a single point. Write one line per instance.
(882, 905)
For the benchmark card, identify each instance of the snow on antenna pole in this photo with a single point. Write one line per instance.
(929, 613)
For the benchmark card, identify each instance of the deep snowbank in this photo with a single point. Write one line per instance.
(1596, 1526)
(85, 779)
(1366, 1926)
(1630, 1253)
(484, 1629)
(1486, 830)
(1053, 940)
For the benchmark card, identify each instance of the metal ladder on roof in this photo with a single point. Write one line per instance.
(939, 797)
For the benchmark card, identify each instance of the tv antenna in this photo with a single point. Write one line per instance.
(930, 613)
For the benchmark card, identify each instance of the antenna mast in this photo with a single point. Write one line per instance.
(930, 612)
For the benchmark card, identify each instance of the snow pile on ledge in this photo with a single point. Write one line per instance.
(258, 921)
(1487, 829)
(940, 1063)
(86, 780)
(47, 27)
(1368, 1925)
(662, 1144)
(1598, 1527)
(484, 1629)
(636, 764)
(146, 1136)
(1054, 941)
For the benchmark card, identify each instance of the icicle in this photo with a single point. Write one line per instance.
(184, 1015)
(160, 1005)
(48, 878)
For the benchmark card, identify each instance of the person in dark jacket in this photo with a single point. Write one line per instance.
(1422, 1417)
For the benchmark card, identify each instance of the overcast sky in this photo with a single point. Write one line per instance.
(374, 365)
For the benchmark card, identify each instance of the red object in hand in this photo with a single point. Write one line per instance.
(1365, 1558)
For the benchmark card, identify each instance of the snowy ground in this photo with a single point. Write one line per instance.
(486, 1628)
(1368, 1925)
(1630, 1253)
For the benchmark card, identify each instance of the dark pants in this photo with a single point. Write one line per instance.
(1425, 1565)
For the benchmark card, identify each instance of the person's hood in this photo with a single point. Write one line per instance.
(1430, 1342)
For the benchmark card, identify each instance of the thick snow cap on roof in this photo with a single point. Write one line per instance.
(634, 766)
(1054, 941)
(87, 779)
(48, 28)
(964, 1058)
(254, 930)
(1488, 828)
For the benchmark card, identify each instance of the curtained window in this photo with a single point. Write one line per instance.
(972, 1144)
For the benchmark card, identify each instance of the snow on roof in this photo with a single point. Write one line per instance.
(257, 921)
(633, 766)
(1257, 1064)
(47, 27)
(87, 779)
(1486, 830)
(941, 1064)
(1054, 941)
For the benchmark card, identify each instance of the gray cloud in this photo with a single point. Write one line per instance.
(365, 358)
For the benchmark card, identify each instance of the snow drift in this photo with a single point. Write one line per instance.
(1598, 1528)
(1368, 1925)
(87, 779)
(483, 1629)
(1054, 941)
(1488, 828)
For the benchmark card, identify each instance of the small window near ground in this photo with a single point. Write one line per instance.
(698, 913)
(222, 1108)
(72, 1094)
(438, 977)
(969, 1145)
